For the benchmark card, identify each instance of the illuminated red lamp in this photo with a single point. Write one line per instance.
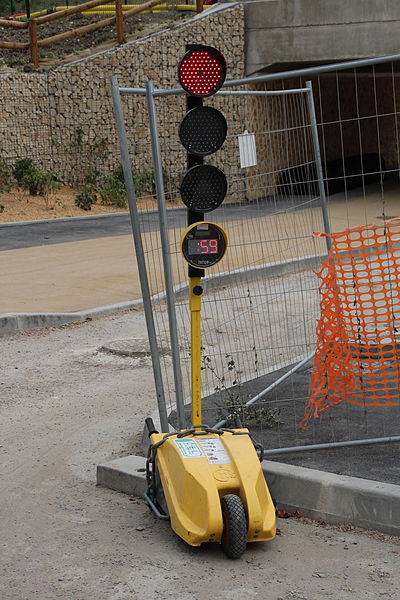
(202, 71)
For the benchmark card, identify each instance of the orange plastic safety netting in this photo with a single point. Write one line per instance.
(358, 340)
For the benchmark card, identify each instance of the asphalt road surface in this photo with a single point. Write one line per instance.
(59, 231)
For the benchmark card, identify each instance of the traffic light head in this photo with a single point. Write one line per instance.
(202, 71)
(203, 188)
(203, 130)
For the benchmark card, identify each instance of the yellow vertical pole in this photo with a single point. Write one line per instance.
(195, 291)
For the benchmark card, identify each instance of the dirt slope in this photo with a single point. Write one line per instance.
(81, 45)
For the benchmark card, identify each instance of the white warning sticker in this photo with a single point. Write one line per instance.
(214, 451)
(188, 448)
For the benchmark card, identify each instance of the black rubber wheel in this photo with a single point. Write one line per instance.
(234, 534)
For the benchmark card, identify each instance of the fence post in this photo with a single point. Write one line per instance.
(119, 18)
(318, 163)
(199, 6)
(166, 252)
(33, 45)
(140, 256)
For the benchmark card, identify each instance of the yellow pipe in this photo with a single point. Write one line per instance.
(150, 10)
(38, 13)
(195, 308)
(107, 9)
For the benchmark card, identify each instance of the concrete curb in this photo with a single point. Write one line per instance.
(64, 219)
(336, 499)
(13, 322)
(123, 215)
(126, 475)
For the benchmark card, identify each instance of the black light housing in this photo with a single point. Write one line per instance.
(203, 188)
(203, 130)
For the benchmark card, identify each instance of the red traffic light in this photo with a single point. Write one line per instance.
(202, 71)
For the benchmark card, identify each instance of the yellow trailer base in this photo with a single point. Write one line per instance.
(198, 469)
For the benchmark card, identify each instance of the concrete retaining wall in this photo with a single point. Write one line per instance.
(313, 31)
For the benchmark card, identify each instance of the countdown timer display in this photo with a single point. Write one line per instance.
(203, 244)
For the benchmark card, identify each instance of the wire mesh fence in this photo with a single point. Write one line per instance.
(262, 301)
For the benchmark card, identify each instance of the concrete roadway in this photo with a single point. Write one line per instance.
(43, 270)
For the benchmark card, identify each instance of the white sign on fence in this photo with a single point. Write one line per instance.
(247, 149)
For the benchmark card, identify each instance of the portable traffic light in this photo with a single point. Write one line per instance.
(208, 481)
(202, 132)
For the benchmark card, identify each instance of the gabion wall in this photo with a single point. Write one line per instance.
(64, 120)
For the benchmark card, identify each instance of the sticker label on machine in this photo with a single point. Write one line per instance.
(214, 451)
(188, 448)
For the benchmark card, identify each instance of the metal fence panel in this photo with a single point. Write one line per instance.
(262, 300)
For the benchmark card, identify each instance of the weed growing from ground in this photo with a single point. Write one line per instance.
(235, 398)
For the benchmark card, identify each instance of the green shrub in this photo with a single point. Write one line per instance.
(22, 168)
(39, 183)
(92, 177)
(145, 183)
(119, 174)
(112, 192)
(86, 196)
(30, 178)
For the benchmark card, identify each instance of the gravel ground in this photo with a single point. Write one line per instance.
(64, 407)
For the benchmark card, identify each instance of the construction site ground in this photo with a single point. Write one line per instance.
(66, 407)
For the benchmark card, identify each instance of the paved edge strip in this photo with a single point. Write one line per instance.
(83, 218)
(13, 322)
(122, 214)
(335, 499)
